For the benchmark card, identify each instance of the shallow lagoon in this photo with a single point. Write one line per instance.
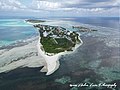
(96, 61)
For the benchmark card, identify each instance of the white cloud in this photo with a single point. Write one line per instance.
(53, 4)
(44, 5)
(11, 5)
(116, 3)
(90, 10)
(79, 7)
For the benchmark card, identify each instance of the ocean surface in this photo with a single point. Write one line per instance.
(112, 22)
(14, 30)
(96, 61)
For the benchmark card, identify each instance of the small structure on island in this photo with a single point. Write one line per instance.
(55, 41)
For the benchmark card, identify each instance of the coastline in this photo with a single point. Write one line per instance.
(27, 51)
(96, 61)
(25, 55)
(52, 62)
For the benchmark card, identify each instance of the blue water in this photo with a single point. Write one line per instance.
(13, 30)
(111, 22)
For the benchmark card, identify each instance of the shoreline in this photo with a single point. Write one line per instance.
(19, 43)
(52, 62)
(20, 56)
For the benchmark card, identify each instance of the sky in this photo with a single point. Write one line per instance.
(60, 8)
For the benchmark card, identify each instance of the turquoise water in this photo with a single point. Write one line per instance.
(95, 61)
(13, 30)
(13, 22)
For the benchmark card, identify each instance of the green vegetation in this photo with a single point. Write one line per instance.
(80, 27)
(93, 30)
(56, 39)
(56, 45)
(83, 29)
(35, 21)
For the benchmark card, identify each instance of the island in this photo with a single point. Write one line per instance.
(83, 29)
(53, 42)
(55, 39)
(34, 21)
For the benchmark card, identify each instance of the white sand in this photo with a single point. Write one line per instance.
(52, 62)
(23, 56)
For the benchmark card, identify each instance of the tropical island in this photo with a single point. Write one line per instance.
(83, 29)
(53, 42)
(56, 39)
(34, 21)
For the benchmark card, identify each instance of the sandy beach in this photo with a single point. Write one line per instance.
(22, 56)
(52, 62)
(97, 60)
(29, 54)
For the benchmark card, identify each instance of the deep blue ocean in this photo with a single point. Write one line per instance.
(13, 30)
(112, 22)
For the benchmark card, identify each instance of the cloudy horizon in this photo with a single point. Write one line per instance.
(70, 8)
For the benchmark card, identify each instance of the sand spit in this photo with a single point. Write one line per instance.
(52, 62)
(22, 56)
